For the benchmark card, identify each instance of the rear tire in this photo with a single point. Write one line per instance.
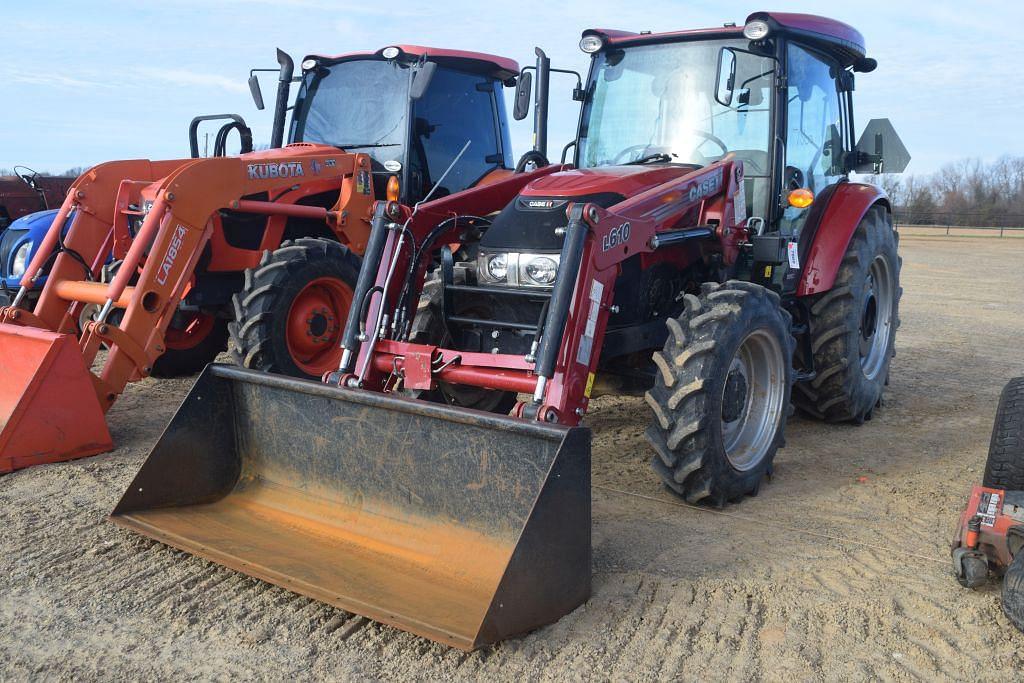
(853, 326)
(291, 314)
(712, 442)
(1004, 468)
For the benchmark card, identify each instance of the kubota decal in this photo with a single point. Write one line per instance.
(315, 166)
(706, 187)
(285, 169)
(616, 236)
(172, 253)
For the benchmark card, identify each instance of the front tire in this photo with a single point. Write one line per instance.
(853, 326)
(721, 393)
(290, 317)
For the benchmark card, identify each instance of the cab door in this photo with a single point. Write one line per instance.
(458, 107)
(813, 127)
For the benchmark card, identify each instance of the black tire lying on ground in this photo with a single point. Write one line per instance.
(1004, 468)
(712, 443)
(1013, 591)
(853, 326)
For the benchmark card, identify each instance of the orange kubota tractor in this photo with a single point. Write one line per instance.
(163, 258)
(709, 251)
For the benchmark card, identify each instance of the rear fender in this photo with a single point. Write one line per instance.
(828, 231)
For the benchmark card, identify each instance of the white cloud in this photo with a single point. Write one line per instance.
(54, 80)
(188, 79)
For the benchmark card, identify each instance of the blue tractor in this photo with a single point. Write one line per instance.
(18, 244)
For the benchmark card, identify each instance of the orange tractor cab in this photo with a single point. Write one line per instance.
(165, 259)
(707, 249)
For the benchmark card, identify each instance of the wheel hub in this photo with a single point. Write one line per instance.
(320, 325)
(876, 321)
(735, 398)
(314, 324)
(752, 399)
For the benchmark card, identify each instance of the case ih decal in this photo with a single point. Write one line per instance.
(706, 187)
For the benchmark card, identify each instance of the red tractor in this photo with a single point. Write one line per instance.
(707, 249)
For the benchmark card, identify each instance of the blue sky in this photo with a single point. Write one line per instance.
(88, 82)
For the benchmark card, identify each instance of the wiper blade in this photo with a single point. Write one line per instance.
(364, 145)
(659, 156)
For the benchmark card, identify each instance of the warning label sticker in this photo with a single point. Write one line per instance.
(988, 508)
(587, 341)
(793, 251)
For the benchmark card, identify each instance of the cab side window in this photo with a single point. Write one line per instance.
(456, 108)
(813, 129)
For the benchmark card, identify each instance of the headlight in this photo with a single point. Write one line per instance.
(541, 270)
(518, 270)
(591, 44)
(21, 259)
(497, 267)
(757, 29)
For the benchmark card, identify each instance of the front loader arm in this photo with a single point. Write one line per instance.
(383, 255)
(174, 234)
(597, 240)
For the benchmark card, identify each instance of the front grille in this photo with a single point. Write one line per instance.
(7, 242)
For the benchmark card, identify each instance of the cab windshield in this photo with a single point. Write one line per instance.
(359, 106)
(660, 100)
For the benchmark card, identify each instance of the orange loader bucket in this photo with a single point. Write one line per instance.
(49, 411)
(460, 526)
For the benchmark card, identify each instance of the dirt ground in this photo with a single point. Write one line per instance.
(822, 576)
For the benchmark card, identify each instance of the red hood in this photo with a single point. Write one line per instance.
(624, 180)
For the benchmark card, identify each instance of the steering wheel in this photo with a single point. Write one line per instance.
(712, 138)
(534, 157)
(643, 148)
(27, 178)
(652, 149)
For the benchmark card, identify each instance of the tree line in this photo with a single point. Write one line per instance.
(966, 192)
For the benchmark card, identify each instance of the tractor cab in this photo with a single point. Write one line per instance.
(775, 94)
(412, 110)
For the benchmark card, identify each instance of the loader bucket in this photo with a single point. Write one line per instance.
(460, 526)
(49, 411)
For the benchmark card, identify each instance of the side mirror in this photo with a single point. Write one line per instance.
(524, 89)
(880, 149)
(421, 80)
(725, 80)
(257, 94)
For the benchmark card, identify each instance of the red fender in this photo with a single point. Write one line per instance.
(831, 233)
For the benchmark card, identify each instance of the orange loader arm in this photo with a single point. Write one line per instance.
(161, 260)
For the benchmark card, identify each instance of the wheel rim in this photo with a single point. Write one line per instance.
(316, 321)
(197, 327)
(876, 317)
(752, 399)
